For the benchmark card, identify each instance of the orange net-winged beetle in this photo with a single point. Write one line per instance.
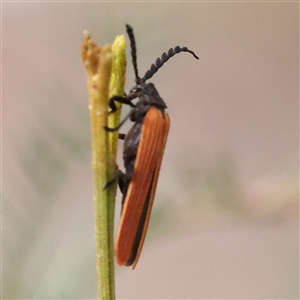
(143, 150)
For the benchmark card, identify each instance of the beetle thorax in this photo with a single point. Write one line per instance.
(148, 95)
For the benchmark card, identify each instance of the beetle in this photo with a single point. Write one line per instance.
(143, 151)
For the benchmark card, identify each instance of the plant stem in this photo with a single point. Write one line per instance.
(106, 76)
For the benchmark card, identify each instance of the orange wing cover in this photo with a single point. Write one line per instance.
(140, 195)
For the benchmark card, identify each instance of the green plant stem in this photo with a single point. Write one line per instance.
(106, 76)
(116, 87)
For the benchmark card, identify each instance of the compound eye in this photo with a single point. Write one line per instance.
(134, 90)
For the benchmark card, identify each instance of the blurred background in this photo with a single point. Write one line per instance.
(225, 222)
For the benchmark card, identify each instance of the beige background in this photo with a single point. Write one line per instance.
(225, 221)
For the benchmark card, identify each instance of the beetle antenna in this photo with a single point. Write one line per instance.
(164, 58)
(133, 52)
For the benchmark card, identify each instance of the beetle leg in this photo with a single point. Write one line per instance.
(110, 182)
(123, 181)
(106, 128)
(122, 99)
